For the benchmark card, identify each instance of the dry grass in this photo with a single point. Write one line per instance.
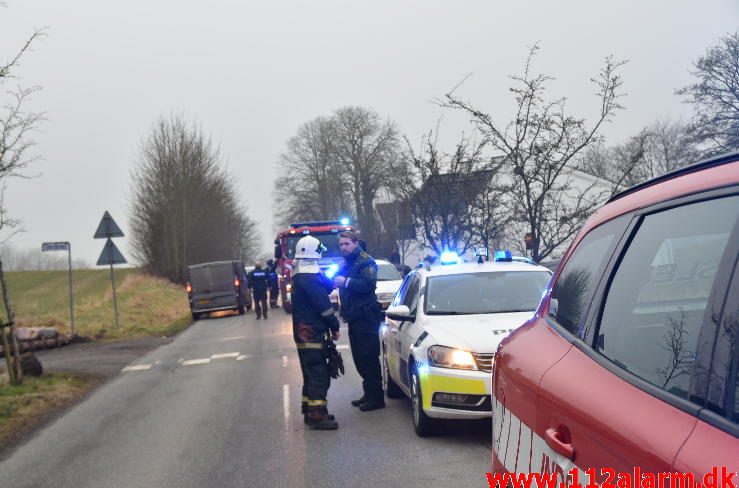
(148, 306)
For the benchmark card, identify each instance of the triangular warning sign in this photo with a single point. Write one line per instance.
(108, 228)
(111, 255)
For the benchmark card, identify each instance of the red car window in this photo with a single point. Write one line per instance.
(657, 299)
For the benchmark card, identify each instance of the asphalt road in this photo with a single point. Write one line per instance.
(220, 407)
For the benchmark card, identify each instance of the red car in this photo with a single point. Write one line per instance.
(632, 358)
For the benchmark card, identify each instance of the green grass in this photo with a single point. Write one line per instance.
(148, 306)
(25, 406)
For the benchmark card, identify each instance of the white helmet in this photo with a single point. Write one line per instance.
(309, 248)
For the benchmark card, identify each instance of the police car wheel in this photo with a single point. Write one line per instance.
(422, 423)
(392, 390)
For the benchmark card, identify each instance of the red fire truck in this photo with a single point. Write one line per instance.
(327, 232)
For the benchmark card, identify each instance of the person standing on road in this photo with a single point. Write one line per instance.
(258, 286)
(356, 281)
(313, 319)
(274, 288)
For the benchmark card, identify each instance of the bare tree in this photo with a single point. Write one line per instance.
(366, 148)
(184, 205)
(16, 126)
(657, 149)
(312, 185)
(715, 96)
(453, 196)
(539, 146)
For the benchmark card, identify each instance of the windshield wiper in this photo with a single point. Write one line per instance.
(441, 312)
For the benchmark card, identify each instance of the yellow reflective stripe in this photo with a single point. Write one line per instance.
(328, 312)
(310, 345)
(431, 383)
(304, 399)
(317, 403)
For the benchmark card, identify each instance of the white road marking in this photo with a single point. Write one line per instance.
(234, 338)
(342, 346)
(157, 362)
(191, 362)
(286, 406)
(242, 357)
(225, 355)
(180, 360)
(284, 361)
(137, 367)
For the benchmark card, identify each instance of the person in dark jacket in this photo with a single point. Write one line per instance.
(313, 319)
(356, 281)
(273, 283)
(258, 286)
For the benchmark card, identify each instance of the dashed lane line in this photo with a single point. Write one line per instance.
(136, 367)
(226, 355)
(284, 361)
(191, 362)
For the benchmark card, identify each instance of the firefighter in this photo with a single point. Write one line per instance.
(313, 318)
(258, 286)
(356, 281)
(273, 283)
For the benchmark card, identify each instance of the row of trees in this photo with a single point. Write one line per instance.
(185, 206)
(542, 173)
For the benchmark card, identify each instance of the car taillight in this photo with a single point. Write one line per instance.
(236, 282)
(188, 288)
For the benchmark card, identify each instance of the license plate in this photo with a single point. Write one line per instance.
(203, 302)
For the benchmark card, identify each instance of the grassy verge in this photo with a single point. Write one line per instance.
(29, 405)
(148, 306)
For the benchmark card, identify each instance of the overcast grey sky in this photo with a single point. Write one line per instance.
(250, 72)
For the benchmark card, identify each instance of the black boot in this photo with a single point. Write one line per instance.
(318, 420)
(373, 404)
(358, 402)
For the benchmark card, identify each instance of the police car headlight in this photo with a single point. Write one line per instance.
(447, 357)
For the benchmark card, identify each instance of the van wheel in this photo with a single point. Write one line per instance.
(422, 423)
(392, 390)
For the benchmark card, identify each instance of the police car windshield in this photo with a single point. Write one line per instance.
(330, 241)
(387, 272)
(480, 293)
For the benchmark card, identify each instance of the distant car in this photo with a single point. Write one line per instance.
(216, 286)
(388, 283)
(632, 357)
(443, 328)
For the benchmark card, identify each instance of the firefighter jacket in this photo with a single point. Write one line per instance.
(359, 304)
(258, 281)
(313, 313)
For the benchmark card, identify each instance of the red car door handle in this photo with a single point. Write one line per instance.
(553, 437)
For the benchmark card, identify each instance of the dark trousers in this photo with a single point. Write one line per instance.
(274, 293)
(260, 304)
(366, 353)
(316, 379)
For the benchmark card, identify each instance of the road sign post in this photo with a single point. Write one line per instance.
(110, 255)
(64, 246)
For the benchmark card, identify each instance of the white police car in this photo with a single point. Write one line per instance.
(443, 327)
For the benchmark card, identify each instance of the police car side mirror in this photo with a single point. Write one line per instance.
(399, 312)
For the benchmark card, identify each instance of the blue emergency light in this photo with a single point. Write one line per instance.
(331, 271)
(449, 257)
(503, 256)
(345, 221)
